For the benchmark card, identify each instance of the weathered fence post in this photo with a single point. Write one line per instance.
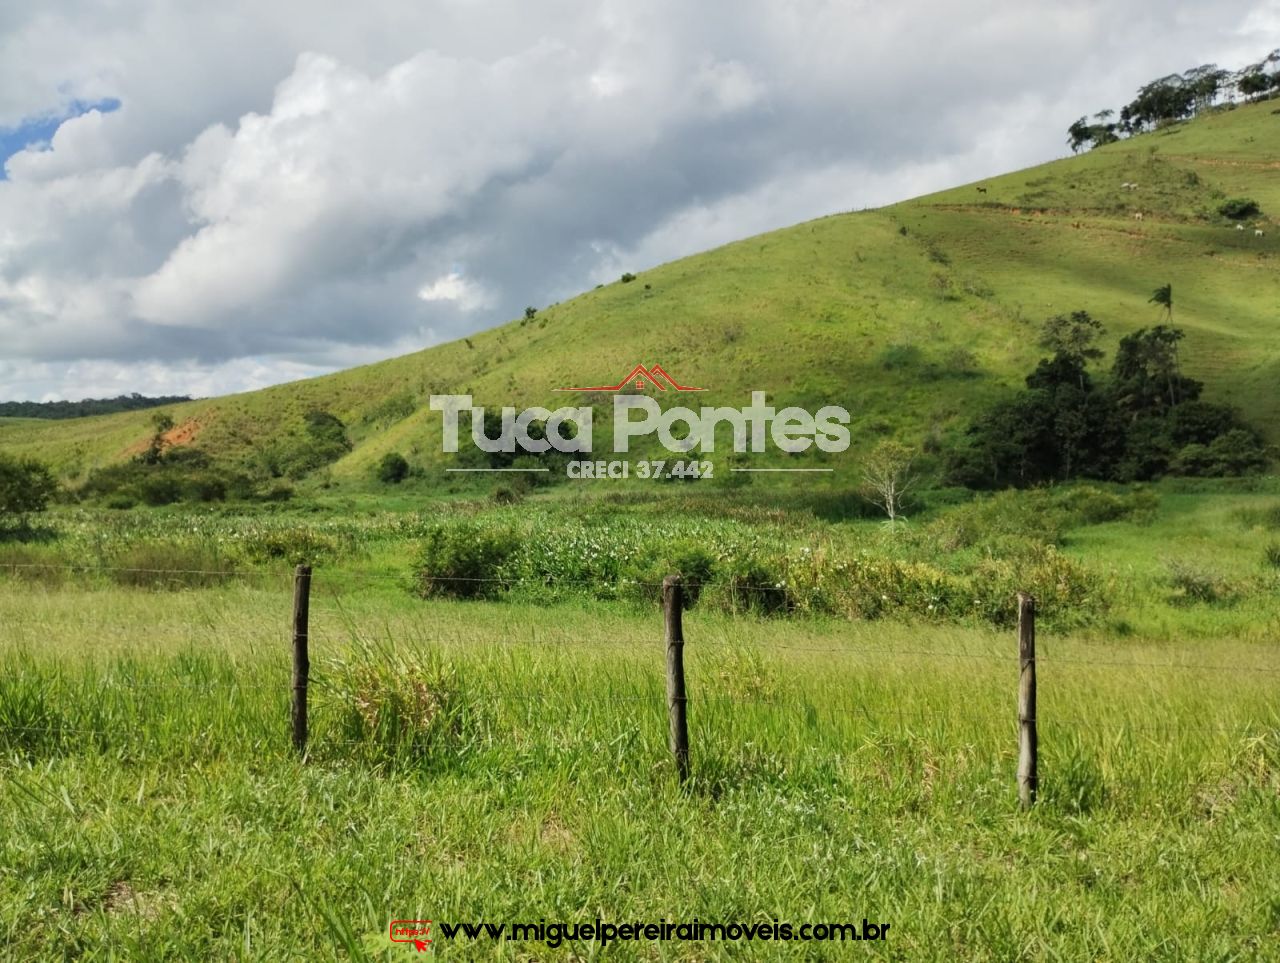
(1028, 745)
(677, 700)
(301, 660)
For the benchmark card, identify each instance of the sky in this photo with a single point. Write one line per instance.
(207, 198)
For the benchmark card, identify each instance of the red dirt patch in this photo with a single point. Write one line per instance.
(183, 434)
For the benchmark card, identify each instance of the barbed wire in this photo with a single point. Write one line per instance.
(326, 689)
(533, 580)
(325, 581)
(755, 646)
(1251, 729)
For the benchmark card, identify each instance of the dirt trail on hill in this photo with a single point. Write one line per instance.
(1219, 162)
(183, 434)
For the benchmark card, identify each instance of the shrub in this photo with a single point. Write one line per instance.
(296, 546)
(33, 722)
(25, 487)
(169, 566)
(942, 286)
(179, 475)
(978, 288)
(693, 563)
(627, 277)
(869, 587)
(751, 583)
(1267, 517)
(897, 356)
(1093, 505)
(1066, 593)
(391, 410)
(27, 564)
(323, 441)
(162, 490)
(208, 488)
(407, 710)
(1271, 554)
(695, 567)
(1089, 505)
(506, 495)
(1238, 208)
(1029, 514)
(279, 492)
(1238, 452)
(464, 560)
(1195, 585)
(1080, 785)
(393, 468)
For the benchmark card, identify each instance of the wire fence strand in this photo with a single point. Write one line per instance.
(324, 686)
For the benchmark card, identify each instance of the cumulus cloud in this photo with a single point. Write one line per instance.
(454, 287)
(281, 194)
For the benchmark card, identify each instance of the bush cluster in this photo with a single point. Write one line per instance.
(1144, 421)
(179, 475)
(490, 559)
(25, 487)
(1239, 208)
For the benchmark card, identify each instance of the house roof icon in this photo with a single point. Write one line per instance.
(642, 377)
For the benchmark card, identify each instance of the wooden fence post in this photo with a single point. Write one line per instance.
(301, 660)
(1028, 744)
(677, 699)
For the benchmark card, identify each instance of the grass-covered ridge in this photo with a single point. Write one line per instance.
(910, 316)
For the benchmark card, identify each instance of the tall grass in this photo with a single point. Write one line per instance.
(490, 760)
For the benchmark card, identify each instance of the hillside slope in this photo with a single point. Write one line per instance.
(910, 316)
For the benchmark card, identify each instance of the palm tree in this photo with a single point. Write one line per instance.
(1163, 296)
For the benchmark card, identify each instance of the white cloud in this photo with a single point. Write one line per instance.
(454, 287)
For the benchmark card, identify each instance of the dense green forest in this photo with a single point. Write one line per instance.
(55, 410)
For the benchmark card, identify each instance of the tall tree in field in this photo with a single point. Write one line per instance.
(25, 487)
(887, 476)
(1078, 134)
(1163, 296)
(1205, 83)
(163, 424)
(1073, 336)
(1146, 376)
(1254, 83)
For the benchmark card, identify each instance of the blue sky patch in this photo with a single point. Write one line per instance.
(40, 130)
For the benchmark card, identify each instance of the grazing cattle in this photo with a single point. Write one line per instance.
(1257, 232)
(1137, 215)
(1239, 227)
(1125, 186)
(982, 190)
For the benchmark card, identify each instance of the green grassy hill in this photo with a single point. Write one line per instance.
(910, 316)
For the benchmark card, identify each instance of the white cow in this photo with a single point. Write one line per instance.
(1257, 232)
(1239, 227)
(1137, 215)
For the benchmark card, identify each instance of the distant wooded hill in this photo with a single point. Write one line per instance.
(82, 409)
